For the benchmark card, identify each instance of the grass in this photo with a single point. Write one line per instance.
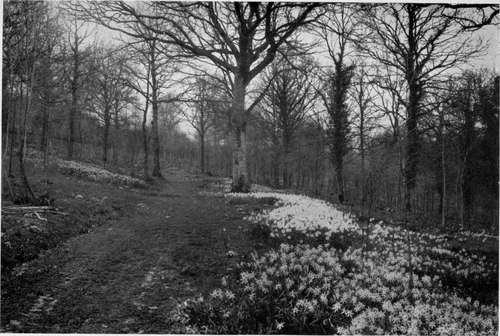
(122, 258)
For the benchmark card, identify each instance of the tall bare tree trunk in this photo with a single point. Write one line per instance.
(275, 165)
(202, 150)
(442, 201)
(29, 195)
(338, 115)
(45, 127)
(411, 154)
(154, 121)
(414, 97)
(145, 139)
(13, 136)
(116, 139)
(467, 197)
(286, 161)
(10, 109)
(74, 100)
(362, 148)
(14, 133)
(11, 129)
(241, 182)
(107, 125)
(156, 139)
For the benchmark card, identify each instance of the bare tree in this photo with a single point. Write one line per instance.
(363, 119)
(240, 38)
(201, 116)
(78, 54)
(422, 43)
(473, 16)
(112, 92)
(337, 30)
(389, 91)
(48, 91)
(437, 108)
(138, 76)
(464, 97)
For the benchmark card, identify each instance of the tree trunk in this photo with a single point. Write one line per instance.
(240, 171)
(467, 197)
(275, 167)
(241, 182)
(154, 123)
(107, 125)
(286, 161)
(145, 141)
(74, 103)
(156, 140)
(362, 150)
(208, 153)
(339, 118)
(442, 200)
(29, 195)
(202, 151)
(340, 180)
(45, 126)
(10, 116)
(411, 145)
(116, 139)
(414, 97)
(13, 137)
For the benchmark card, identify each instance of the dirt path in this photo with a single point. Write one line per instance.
(127, 275)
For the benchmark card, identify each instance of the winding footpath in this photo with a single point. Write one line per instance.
(128, 274)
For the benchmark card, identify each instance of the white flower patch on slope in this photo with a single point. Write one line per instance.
(96, 173)
(301, 213)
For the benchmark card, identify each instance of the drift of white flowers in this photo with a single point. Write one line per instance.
(301, 213)
(96, 173)
(300, 288)
(83, 169)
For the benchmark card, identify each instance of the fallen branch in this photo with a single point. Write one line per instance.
(31, 209)
(28, 208)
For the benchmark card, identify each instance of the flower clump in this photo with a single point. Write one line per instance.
(97, 174)
(334, 276)
(301, 213)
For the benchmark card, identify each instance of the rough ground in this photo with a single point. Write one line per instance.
(125, 275)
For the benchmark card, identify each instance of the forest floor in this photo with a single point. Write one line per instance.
(119, 258)
(145, 250)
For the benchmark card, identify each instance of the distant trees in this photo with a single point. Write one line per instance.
(150, 75)
(422, 43)
(78, 54)
(363, 120)
(139, 79)
(112, 94)
(49, 74)
(288, 99)
(474, 118)
(202, 115)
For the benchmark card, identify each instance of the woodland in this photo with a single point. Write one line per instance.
(394, 116)
(385, 112)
